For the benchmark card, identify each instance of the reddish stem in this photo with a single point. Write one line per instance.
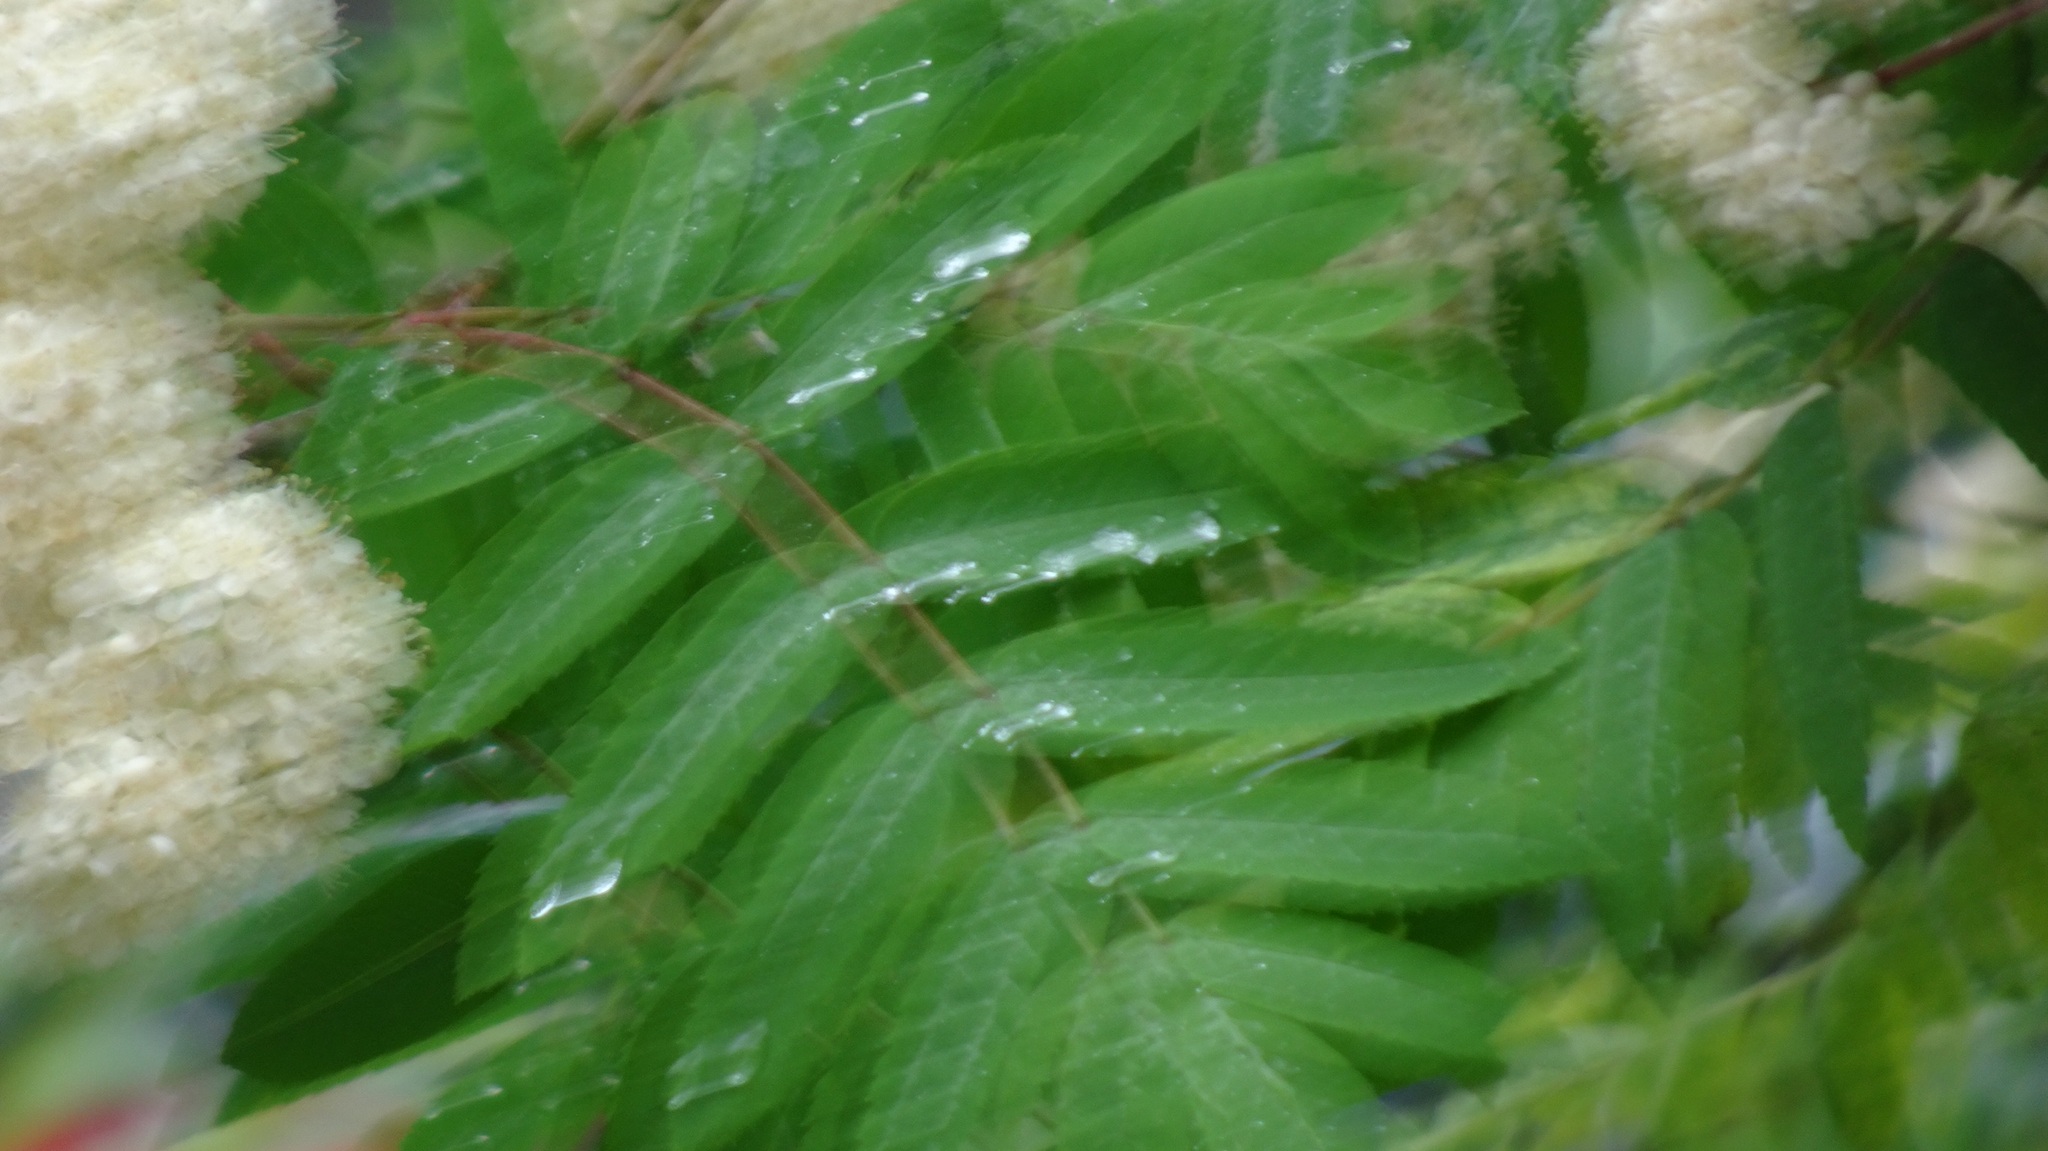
(296, 372)
(1955, 45)
(835, 524)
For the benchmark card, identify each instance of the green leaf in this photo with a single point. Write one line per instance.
(1341, 836)
(1663, 695)
(1154, 1062)
(1765, 360)
(954, 421)
(679, 229)
(1111, 83)
(422, 183)
(298, 224)
(497, 907)
(885, 301)
(1881, 993)
(1533, 45)
(1535, 738)
(1430, 610)
(1371, 402)
(1049, 156)
(545, 1092)
(1032, 1054)
(481, 1030)
(964, 1001)
(853, 132)
(1507, 524)
(1419, 1007)
(1117, 1086)
(1171, 679)
(366, 382)
(2001, 757)
(576, 269)
(1807, 566)
(683, 729)
(379, 977)
(461, 434)
(1025, 516)
(1307, 78)
(567, 569)
(528, 173)
(1273, 222)
(831, 890)
(1986, 326)
(256, 939)
(1330, 1088)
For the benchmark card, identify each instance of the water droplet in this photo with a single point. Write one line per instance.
(950, 263)
(892, 74)
(1009, 728)
(568, 891)
(1394, 47)
(720, 1065)
(860, 374)
(910, 101)
(1116, 873)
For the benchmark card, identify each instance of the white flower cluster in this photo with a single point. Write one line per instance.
(194, 666)
(1712, 104)
(126, 122)
(1507, 207)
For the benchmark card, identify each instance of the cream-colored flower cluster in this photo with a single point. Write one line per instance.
(1713, 105)
(194, 665)
(1507, 207)
(126, 122)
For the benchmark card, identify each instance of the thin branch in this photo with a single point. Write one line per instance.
(1948, 47)
(295, 371)
(259, 325)
(779, 547)
(667, 49)
(835, 524)
(727, 14)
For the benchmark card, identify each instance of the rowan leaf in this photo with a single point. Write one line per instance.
(1808, 565)
(1415, 1005)
(678, 229)
(461, 434)
(1172, 679)
(528, 173)
(965, 1001)
(566, 570)
(831, 889)
(1339, 836)
(1663, 696)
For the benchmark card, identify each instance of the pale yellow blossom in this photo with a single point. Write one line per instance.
(195, 666)
(1506, 206)
(1713, 105)
(124, 123)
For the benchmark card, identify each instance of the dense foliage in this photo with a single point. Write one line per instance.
(964, 613)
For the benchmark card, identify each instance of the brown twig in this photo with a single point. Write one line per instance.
(672, 39)
(1954, 45)
(726, 14)
(295, 371)
(778, 546)
(695, 410)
